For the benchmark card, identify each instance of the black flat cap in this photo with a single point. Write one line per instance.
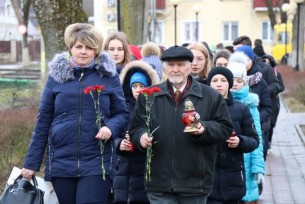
(177, 53)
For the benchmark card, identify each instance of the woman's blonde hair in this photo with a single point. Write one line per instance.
(207, 67)
(85, 33)
(124, 39)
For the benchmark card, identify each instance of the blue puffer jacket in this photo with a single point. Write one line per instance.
(254, 161)
(66, 119)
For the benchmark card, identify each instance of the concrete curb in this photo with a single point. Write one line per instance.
(300, 132)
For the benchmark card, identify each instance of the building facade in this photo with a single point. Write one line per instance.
(219, 21)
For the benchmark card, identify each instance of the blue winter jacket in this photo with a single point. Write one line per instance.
(66, 119)
(254, 161)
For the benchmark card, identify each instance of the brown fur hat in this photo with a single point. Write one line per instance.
(150, 48)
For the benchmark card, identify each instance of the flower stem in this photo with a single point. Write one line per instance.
(102, 158)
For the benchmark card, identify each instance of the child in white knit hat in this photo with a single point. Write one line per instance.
(254, 161)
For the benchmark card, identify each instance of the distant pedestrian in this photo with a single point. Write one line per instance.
(201, 64)
(117, 46)
(221, 58)
(151, 54)
(275, 101)
(258, 48)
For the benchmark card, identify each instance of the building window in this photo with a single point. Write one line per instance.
(267, 31)
(189, 32)
(230, 30)
(111, 17)
(111, 3)
(159, 28)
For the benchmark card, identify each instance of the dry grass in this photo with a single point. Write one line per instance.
(16, 129)
(294, 94)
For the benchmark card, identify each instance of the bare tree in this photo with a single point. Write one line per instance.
(23, 19)
(53, 17)
(272, 12)
(133, 15)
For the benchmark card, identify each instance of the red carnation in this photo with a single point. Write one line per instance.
(88, 89)
(146, 91)
(99, 88)
(155, 89)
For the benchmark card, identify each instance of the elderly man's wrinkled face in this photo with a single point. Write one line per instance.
(177, 71)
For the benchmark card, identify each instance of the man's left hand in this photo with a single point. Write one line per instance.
(200, 128)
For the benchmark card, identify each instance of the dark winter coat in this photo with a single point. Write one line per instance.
(66, 119)
(274, 85)
(276, 102)
(182, 162)
(229, 177)
(261, 89)
(128, 183)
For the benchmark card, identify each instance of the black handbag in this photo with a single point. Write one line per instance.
(22, 192)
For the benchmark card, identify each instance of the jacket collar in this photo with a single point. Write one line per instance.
(194, 90)
(61, 71)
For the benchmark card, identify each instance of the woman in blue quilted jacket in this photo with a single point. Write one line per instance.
(66, 122)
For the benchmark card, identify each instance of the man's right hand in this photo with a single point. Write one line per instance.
(146, 141)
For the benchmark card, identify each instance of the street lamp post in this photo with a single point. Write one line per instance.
(196, 9)
(285, 8)
(175, 3)
(298, 31)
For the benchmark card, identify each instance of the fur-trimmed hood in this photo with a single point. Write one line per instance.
(61, 71)
(137, 66)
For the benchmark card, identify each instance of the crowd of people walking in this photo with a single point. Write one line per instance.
(97, 150)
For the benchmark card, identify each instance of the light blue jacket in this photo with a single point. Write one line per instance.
(254, 161)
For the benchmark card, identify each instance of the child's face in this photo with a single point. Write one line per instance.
(238, 83)
(136, 88)
(220, 84)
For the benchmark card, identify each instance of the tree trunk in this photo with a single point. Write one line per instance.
(26, 59)
(53, 17)
(23, 19)
(133, 19)
(271, 12)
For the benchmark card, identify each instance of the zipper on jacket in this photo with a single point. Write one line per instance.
(129, 190)
(81, 76)
(79, 124)
(173, 153)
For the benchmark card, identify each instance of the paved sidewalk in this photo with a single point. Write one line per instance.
(285, 166)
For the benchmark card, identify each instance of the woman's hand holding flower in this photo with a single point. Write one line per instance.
(104, 133)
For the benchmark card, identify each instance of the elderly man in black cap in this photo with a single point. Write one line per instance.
(182, 165)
